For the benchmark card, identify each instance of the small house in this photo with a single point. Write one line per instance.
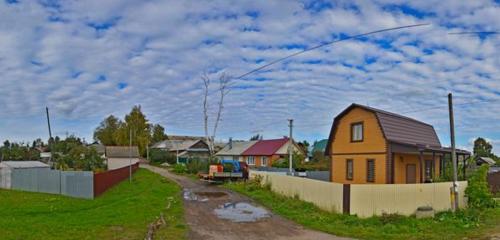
(485, 160)
(185, 149)
(264, 152)
(7, 167)
(369, 145)
(121, 156)
(234, 150)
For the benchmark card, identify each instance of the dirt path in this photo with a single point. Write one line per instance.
(208, 208)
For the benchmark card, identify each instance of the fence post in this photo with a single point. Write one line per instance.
(346, 199)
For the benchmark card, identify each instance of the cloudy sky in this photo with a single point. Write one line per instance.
(88, 59)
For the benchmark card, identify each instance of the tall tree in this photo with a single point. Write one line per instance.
(107, 131)
(482, 148)
(158, 133)
(136, 124)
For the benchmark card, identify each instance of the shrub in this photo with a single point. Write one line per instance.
(477, 190)
(180, 168)
(196, 165)
(158, 156)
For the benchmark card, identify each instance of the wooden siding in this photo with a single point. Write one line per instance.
(373, 146)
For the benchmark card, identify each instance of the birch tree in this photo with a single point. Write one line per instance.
(222, 91)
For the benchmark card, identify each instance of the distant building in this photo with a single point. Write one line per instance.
(121, 156)
(6, 168)
(485, 160)
(185, 149)
(234, 150)
(264, 152)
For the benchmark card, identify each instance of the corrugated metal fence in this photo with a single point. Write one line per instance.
(70, 183)
(104, 181)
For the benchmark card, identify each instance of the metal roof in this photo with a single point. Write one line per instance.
(488, 160)
(238, 147)
(178, 145)
(265, 147)
(395, 128)
(122, 152)
(23, 164)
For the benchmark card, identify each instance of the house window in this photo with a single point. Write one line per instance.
(349, 167)
(370, 170)
(263, 161)
(251, 160)
(357, 132)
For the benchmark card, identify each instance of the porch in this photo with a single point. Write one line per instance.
(420, 164)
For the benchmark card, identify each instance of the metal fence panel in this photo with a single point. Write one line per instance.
(71, 183)
(78, 184)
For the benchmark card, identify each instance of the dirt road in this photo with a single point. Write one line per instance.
(217, 213)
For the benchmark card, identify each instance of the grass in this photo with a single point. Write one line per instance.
(123, 212)
(468, 223)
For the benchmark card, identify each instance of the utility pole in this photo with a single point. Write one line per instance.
(290, 147)
(50, 135)
(453, 153)
(130, 156)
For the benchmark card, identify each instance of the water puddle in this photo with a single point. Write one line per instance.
(190, 196)
(241, 212)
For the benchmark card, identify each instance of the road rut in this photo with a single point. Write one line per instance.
(205, 222)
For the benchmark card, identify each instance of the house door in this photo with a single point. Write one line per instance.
(411, 173)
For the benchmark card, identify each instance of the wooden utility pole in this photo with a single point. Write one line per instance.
(290, 147)
(453, 153)
(130, 156)
(50, 136)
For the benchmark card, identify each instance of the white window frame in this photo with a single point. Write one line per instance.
(262, 161)
(357, 131)
(251, 160)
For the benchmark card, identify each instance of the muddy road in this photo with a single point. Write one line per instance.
(217, 213)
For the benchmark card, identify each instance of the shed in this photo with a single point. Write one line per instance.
(121, 156)
(6, 168)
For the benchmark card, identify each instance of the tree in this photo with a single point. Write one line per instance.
(223, 90)
(158, 133)
(482, 148)
(107, 130)
(137, 124)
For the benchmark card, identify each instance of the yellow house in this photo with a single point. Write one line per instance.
(368, 145)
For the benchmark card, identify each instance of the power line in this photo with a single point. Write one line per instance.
(310, 49)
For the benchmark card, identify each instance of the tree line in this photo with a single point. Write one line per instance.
(113, 131)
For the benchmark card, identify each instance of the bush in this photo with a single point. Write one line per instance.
(180, 168)
(477, 189)
(196, 165)
(158, 156)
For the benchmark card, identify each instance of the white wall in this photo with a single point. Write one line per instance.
(115, 163)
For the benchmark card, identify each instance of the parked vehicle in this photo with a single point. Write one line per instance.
(226, 170)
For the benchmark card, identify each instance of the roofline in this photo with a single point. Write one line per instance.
(370, 109)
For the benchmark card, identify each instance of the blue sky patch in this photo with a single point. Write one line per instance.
(122, 85)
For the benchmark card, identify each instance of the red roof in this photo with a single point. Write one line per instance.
(265, 147)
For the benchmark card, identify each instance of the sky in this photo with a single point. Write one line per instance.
(88, 59)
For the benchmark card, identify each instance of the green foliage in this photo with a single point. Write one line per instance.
(483, 148)
(158, 156)
(180, 168)
(158, 133)
(477, 189)
(196, 165)
(80, 157)
(18, 151)
(106, 132)
(297, 159)
(113, 131)
(32, 216)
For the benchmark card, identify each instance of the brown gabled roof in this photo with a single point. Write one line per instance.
(395, 128)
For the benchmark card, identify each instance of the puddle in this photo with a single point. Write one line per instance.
(211, 194)
(241, 212)
(190, 196)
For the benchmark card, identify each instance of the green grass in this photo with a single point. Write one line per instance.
(472, 224)
(123, 212)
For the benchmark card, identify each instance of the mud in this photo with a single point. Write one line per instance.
(213, 212)
(241, 212)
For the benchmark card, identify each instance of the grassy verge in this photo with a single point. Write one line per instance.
(123, 212)
(472, 224)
